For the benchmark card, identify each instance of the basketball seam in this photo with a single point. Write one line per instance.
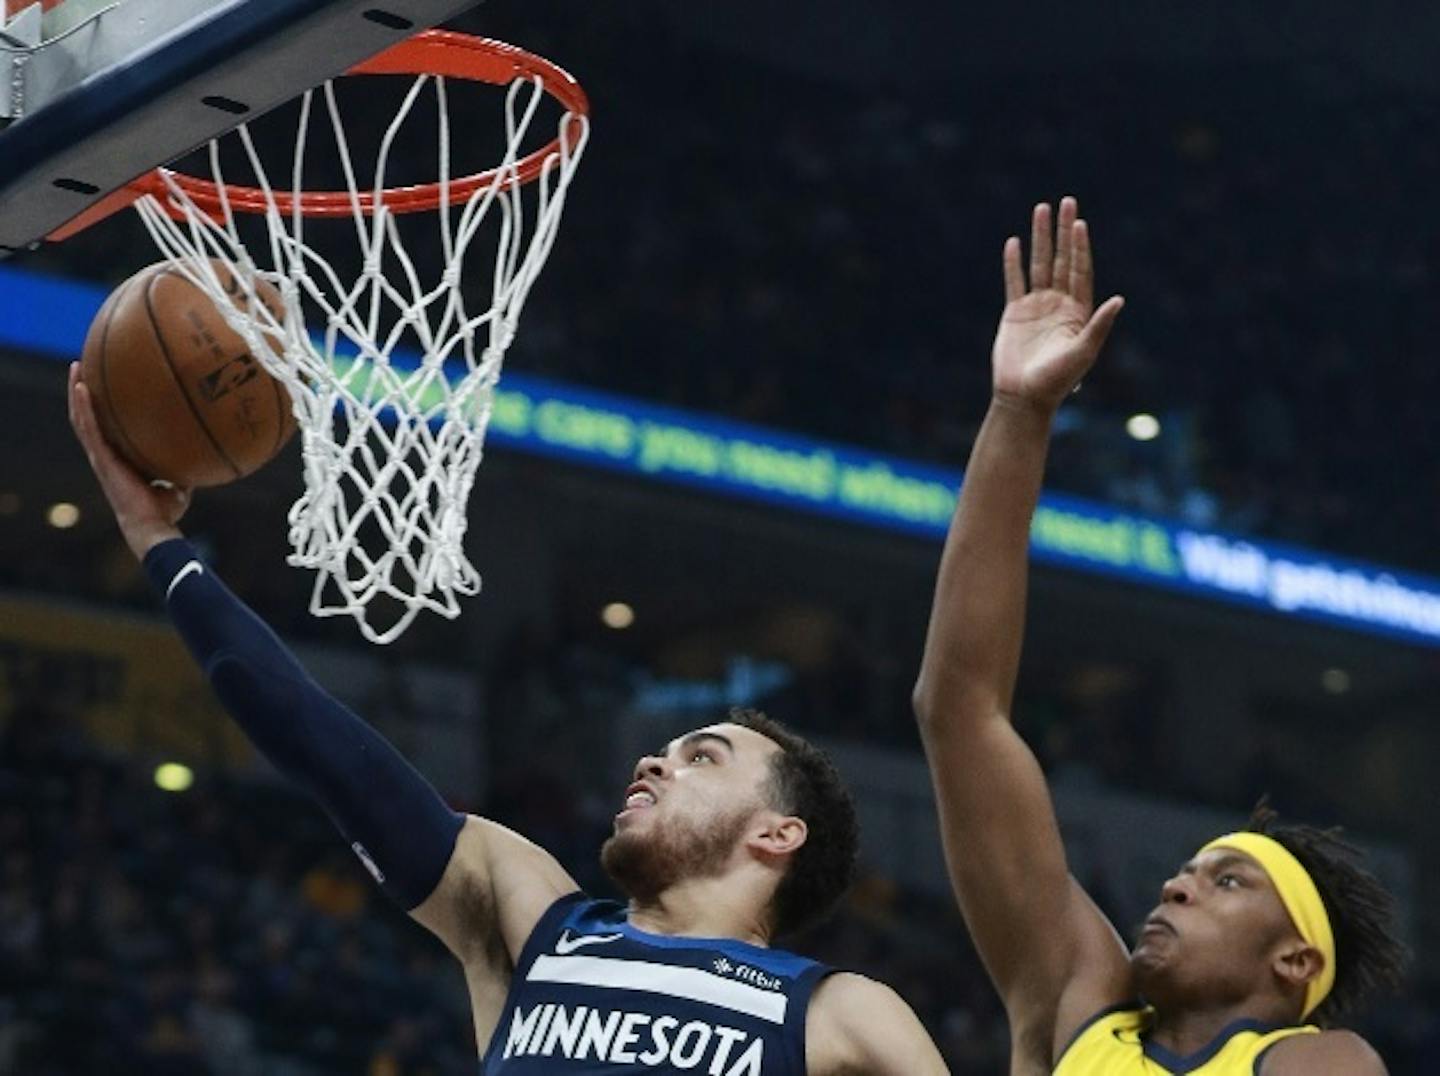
(119, 427)
(170, 365)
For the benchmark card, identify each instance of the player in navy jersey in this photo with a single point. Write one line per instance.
(729, 836)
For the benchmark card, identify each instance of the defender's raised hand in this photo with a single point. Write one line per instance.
(147, 514)
(1052, 956)
(1050, 332)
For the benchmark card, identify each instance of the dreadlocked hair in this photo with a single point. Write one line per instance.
(1370, 959)
(805, 783)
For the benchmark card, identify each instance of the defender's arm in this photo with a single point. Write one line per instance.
(1035, 930)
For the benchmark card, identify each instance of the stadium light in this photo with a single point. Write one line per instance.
(1143, 427)
(173, 777)
(62, 515)
(617, 615)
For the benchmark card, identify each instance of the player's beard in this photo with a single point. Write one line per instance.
(645, 865)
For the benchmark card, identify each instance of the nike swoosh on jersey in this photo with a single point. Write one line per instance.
(568, 943)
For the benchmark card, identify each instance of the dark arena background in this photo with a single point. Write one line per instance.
(732, 427)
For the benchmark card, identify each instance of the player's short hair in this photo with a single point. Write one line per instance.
(1370, 958)
(805, 783)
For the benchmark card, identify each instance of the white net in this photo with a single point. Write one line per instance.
(390, 444)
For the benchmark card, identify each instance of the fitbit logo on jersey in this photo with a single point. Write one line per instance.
(746, 974)
(633, 1038)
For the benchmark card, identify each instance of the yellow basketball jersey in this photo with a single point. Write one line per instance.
(1113, 1044)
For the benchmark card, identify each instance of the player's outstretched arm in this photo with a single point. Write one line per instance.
(1035, 930)
(478, 886)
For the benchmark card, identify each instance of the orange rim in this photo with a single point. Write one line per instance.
(431, 52)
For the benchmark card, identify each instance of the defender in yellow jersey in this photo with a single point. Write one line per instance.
(1116, 1043)
(1262, 940)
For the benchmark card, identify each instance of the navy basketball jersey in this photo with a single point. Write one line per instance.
(592, 994)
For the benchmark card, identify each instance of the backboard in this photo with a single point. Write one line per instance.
(98, 92)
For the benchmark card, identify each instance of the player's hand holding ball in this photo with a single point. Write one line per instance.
(147, 514)
(1050, 333)
(178, 393)
(167, 397)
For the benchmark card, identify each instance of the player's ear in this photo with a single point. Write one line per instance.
(778, 834)
(1296, 963)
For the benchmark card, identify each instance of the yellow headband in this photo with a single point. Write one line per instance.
(1301, 899)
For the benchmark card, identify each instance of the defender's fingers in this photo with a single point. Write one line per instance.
(1082, 266)
(1097, 329)
(1064, 241)
(1042, 249)
(1014, 275)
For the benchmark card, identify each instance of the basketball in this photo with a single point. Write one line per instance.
(177, 392)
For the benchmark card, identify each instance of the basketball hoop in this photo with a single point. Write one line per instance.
(384, 510)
